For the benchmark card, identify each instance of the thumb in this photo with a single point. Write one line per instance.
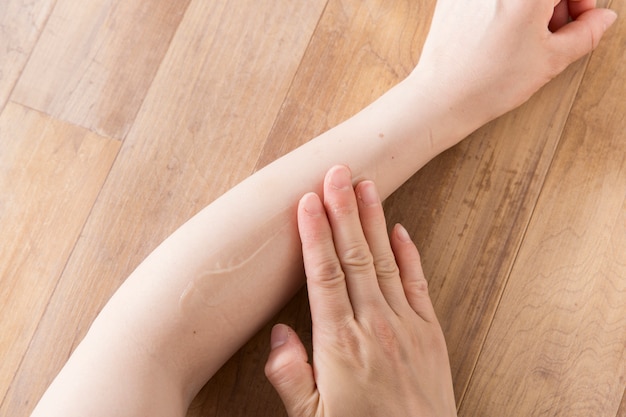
(289, 372)
(578, 38)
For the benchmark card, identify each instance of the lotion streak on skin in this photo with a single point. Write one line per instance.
(212, 289)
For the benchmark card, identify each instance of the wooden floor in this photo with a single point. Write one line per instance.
(121, 118)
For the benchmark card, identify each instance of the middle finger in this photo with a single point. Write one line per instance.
(350, 243)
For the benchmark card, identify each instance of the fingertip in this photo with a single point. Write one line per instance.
(339, 177)
(412, 274)
(311, 204)
(581, 36)
(402, 234)
(279, 335)
(312, 221)
(367, 194)
(403, 246)
(286, 351)
(289, 372)
(596, 21)
(609, 18)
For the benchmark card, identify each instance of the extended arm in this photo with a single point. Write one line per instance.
(206, 289)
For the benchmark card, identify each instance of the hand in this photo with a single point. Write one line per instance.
(566, 10)
(378, 349)
(486, 57)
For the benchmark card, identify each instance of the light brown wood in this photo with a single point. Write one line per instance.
(557, 343)
(470, 220)
(199, 132)
(50, 176)
(521, 228)
(359, 51)
(20, 26)
(95, 61)
(469, 210)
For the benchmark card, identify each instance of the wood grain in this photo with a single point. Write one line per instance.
(21, 23)
(557, 344)
(359, 50)
(200, 131)
(96, 60)
(50, 175)
(521, 227)
(468, 209)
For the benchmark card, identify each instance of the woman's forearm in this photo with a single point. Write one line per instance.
(215, 281)
(225, 272)
(207, 288)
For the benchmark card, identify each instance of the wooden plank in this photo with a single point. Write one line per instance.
(359, 51)
(50, 175)
(468, 209)
(20, 25)
(96, 60)
(557, 344)
(200, 130)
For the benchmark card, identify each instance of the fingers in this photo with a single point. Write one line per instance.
(351, 246)
(413, 280)
(560, 16)
(289, 372)
(578, 38)
(566, 9)
(375, 231)
(350, 267)
(328, 293)
(578, 7)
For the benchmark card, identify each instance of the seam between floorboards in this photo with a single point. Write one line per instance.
(525, 231)
(60, 276)
(289, 89)
(21, 72)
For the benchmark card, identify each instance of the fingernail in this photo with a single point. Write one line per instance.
(367, 193)
(403, 235)
(280, 334)
(610, 19)
(311, 204)
(340, 178)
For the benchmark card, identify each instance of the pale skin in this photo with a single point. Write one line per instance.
(178, 317)
(369, 303)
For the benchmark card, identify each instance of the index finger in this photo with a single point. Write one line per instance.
(326, 281)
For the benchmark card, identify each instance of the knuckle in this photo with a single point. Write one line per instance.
(357, 257)
(348, 337)
(418, 288)
(386, 334)
(342, 210)
(349, 341)
(327, 273)
(386, 267)
(273, 371)
(432, 341)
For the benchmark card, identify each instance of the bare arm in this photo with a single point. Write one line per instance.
(206, 289)
(226, 271)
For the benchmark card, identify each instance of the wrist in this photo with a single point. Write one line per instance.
(450, 112)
